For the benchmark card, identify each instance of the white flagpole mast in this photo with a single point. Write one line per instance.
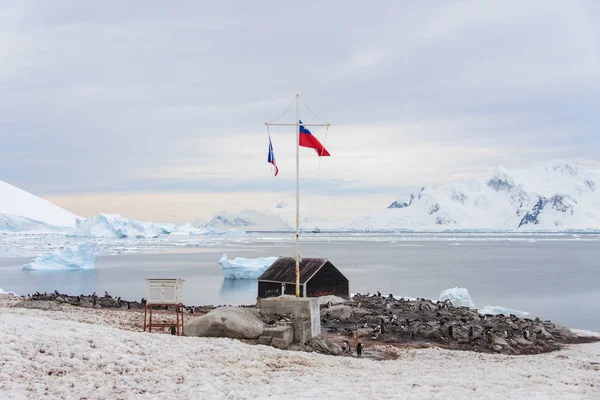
(297, 198)
(297, 125)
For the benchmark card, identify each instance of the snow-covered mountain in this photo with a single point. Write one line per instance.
(15, 202)
(554, 196)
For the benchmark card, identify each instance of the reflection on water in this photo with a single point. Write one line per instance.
(550, 279)
(67, 281)
(239, 291)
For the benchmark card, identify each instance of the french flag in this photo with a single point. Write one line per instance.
(307, 139)
(271, 157)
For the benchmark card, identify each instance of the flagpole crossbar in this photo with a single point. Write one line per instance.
(303, 124)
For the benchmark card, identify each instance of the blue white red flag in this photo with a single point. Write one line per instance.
(271, 157)
(307, 139)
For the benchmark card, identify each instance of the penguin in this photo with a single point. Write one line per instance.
(56, 292)
(359, 349)
(451, 331)
(108, 296)
(143, 301)
(471, 333)
(346, 347)
(378, 294)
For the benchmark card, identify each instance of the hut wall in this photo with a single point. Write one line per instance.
(291, 289)
(269, 289)
(328, 281)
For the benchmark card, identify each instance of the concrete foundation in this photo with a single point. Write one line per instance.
(280, 336)
(304, 312)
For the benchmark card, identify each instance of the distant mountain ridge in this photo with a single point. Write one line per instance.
(555, 196)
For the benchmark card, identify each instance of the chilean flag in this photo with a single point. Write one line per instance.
(307, 139)
(271, 157)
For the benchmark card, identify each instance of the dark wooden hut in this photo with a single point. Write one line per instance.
(318, 277)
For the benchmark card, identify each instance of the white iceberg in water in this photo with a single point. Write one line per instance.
(81, 256)
(245, 268)
(459, 297)
(495, 310)
(115, 226)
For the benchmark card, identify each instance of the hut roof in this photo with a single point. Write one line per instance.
(284, 269)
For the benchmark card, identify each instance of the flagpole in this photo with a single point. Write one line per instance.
(297, 198)
(297, 125)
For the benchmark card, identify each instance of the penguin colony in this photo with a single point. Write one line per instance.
(380, 318)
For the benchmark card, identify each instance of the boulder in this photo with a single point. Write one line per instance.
(331, 300)
(340, 312)
(325, 346)
(231, 322)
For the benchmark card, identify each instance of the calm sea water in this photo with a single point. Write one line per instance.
(552, 277)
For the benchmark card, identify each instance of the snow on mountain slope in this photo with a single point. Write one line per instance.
(247, 220)
(553, 196)
(15, 224)
(20, 203)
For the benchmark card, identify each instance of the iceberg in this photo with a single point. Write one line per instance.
(115, 226)
(459, 297)
(81, 256)
(245, 268)
(495, 310)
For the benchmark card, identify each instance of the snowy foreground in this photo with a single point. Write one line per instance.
(82, 360)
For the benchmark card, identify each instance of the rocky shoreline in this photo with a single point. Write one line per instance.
(378, 321)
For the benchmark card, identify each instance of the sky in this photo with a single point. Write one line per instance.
(156, 110)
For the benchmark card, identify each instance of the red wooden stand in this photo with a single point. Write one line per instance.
(177, 324)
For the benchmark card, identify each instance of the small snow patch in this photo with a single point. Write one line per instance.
(459, 297)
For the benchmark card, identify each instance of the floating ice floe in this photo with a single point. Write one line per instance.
(495, 310)
(459, 297)
(81, 256)
(245, 268)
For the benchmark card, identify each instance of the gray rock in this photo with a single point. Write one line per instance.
(341, 312)
(231, 322)
(40, 305)
(325, 346)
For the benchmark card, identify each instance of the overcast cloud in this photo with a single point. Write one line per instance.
(165, 97)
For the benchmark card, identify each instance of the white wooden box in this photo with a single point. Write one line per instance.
(164, 291)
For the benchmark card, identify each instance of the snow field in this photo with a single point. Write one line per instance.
(75, 360)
